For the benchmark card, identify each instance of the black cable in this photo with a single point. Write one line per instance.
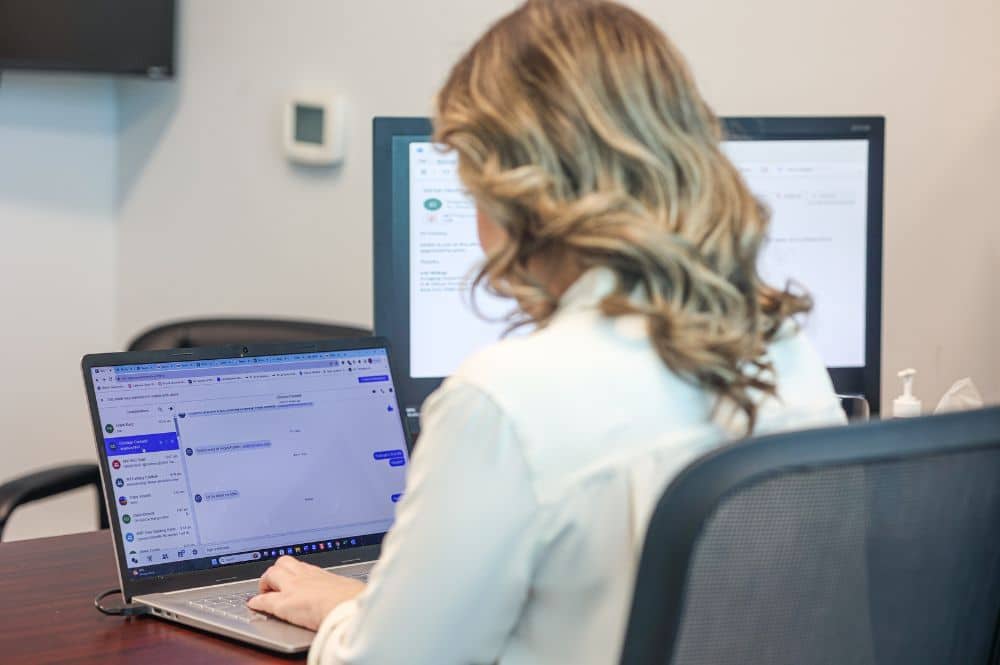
(123, 611)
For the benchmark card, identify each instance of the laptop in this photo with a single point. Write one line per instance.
(217, 461)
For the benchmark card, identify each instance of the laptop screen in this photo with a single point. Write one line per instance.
(222, 462)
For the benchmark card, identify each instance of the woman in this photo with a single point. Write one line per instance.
(609, 213)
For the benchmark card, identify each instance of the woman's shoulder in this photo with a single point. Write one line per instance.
(555, 352)
(578, 356)
(510, 359)
(802, 379)
(796, 359)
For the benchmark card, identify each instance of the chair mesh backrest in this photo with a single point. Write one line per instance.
(889, 562)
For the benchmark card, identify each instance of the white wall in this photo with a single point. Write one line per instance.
(211, 218)
(57, 259)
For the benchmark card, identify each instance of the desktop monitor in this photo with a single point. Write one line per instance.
(820, 177)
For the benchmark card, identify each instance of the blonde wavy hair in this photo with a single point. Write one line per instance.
(580, 131)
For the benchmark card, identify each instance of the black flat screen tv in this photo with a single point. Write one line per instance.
(109, 36)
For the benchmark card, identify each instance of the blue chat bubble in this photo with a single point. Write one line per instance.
(396, 497)
(388, 454)
(397, 461)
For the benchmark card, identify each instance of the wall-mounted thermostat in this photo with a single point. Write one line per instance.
(315, 129)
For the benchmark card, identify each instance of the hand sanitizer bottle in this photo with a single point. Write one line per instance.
(906, 405)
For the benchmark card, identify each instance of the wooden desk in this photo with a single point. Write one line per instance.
(47, 615)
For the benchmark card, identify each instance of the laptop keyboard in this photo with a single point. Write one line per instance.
(234, 605)
(231, 605)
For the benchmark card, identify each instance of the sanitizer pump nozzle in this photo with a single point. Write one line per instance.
(906, 405)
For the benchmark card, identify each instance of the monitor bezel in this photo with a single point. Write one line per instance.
(391, 238)
(135, 586)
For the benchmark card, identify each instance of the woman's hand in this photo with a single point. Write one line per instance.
(302, 593)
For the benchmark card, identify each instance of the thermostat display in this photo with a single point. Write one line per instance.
(309, 124)
(315, 130)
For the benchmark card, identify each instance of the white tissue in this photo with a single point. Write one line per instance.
(962, 396)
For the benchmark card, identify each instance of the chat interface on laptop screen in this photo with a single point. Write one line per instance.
(219, 462)
(815, 189)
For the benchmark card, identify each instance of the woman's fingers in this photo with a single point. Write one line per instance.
(264, 602)
(275, 578)
(289, 563)
(301, 593)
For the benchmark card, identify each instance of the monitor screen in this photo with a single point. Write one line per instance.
(821, 180)
(220, 462)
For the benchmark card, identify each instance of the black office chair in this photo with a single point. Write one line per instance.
(49, 482)
(875, 543)
(174, 335)
(185, 334)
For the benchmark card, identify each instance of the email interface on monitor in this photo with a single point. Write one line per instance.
(816, 191)
(219, 462)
